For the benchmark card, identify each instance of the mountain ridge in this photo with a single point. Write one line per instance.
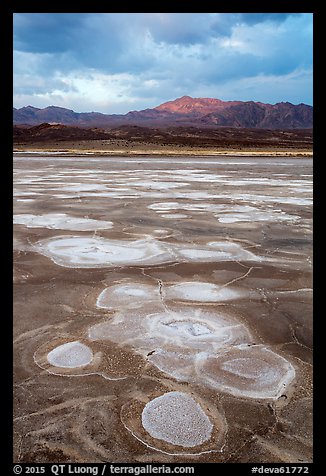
(183, 111)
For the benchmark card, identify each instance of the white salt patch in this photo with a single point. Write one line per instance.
(193, 195)
(61, 221)
(226, 251)
(274, 199)
(183, 329)
(42, 152)
(233, 251)
(179, 364)
(256, 215)
(176, 418)
(161, 232)
(174, 215)
(246, 367)
(201, 292)
(70, 355)
(25, 200)
(188, 328)
(203, 255)
(303, 189)
(164, 206)
(28, 180)
(132, 291)
(124, 295)
(233, 218)
(84, 252)
(250, 372)
(84, 187)
(243, 212)
(17, 193)
(194, 329)
(261, 181)
(254, 372)
(198, 207)
(158, 185)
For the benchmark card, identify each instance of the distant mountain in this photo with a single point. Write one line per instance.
(198, 106)
(184, 111)
(58, 115)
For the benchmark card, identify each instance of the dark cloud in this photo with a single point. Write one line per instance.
(254, 18)
(47, 32)
(223, 24)
(178, 28)
(163, 54)
(117, 42)
(108, 42)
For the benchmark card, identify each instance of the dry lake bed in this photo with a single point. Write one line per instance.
(162, 309)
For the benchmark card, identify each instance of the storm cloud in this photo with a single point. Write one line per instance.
(114, 63)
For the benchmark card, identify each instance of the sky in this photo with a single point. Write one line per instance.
(118, 62)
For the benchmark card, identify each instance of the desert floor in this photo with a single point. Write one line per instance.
(162, 309)
(132, 148)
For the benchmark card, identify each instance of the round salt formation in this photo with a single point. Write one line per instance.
(123, 295)
(165, 206)
(177, 419)
(161, 232)
(255, 215)
(70, 355)
(201, 292)
(61, 221)
(189, 330)
(232, 251)
(181, 364)
(174, 215)
(86, 252)
(254, 372)
(92, 252)
(182, 329)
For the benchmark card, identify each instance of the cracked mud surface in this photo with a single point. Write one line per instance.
(144, 287)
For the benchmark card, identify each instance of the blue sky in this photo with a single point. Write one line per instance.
(118, 62)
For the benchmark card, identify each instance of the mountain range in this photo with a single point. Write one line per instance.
(184, 111)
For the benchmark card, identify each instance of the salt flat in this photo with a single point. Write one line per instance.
(148, 286)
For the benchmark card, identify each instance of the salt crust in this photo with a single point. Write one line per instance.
(176, 418)
(201, 291)
(89, 252)
(211, 349)
(61, 221)
(254, 372)
(127, 294)
(225, 213)
(243, 371)
(70, 355)
(180, 330)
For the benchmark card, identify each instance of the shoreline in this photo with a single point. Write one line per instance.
(125, 152)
